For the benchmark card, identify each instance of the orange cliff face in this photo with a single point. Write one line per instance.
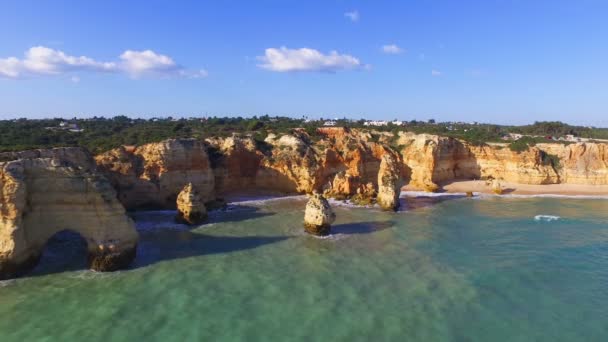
(153, 174)
(434, 159)
(339, 162)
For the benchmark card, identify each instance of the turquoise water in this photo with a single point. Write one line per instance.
(445, 269)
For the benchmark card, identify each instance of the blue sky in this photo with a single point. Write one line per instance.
(505, 61)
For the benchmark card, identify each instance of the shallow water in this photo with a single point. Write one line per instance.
(444, 269)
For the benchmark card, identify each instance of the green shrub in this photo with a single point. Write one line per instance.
(522, 144)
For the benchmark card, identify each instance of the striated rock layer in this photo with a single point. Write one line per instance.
(152, 175)
(43, 192)
(341, 163)
(432, 160)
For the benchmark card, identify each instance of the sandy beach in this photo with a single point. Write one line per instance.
(524, 189)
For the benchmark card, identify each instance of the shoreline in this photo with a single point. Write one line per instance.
(480, 187)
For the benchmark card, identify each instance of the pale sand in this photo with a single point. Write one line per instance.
(524, 189)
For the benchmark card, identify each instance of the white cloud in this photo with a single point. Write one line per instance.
(436, 73)
(392, 49)
(305, 59)
(148, 62)
(10, 67)
(352, 15)
(75, 79)
(42, 60)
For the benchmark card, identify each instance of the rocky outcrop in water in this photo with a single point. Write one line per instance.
(190, 208)
(318, 216)
(43, 192)
(389, 183)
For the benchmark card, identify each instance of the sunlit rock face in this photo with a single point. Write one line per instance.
(432, 160)
(389, 183)
(318, 216)
(44, 192)
(339, 162)
(153, 174)
(190, 208)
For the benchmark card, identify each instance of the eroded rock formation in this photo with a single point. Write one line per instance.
(152, 175)
(318, 216)
(341, 163)
(389, 183)
(43, 192)
(190, 207)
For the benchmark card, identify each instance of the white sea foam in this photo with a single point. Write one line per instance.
(7, 282)
(553, 196)
(482, 195)
(546, 218)
(433, 194)
(91, 274)
(331, 237)
(349, 204)
(263, 199)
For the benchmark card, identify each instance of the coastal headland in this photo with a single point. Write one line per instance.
(46, 191)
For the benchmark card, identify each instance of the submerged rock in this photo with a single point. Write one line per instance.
(318, 216)
(389, 183)
(190, 207)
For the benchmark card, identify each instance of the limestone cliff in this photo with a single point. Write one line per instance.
(339, 162)
(434, 159)
(152, 175)
(46, 191)
(581, 163)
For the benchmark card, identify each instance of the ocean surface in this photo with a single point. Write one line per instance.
(445, 268)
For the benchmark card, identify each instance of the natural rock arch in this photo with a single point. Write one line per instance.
(42, 196)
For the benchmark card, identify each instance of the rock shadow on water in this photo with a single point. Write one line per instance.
(66, 251)
(237, 213)
(361, 227)
(422, 201)
(161, 238)
(165, 219)
(177, 244)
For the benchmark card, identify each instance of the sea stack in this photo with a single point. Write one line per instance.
(496, 187)
(389, 183)
(190, 208)
(318, 216)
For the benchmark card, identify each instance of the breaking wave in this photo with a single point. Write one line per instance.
(546, 218)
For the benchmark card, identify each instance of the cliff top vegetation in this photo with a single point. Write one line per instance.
(100, 134)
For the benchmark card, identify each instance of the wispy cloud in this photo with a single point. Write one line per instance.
(392, 49)
(352, 15)
(41, 61)
(305, 59)
(436, 73)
